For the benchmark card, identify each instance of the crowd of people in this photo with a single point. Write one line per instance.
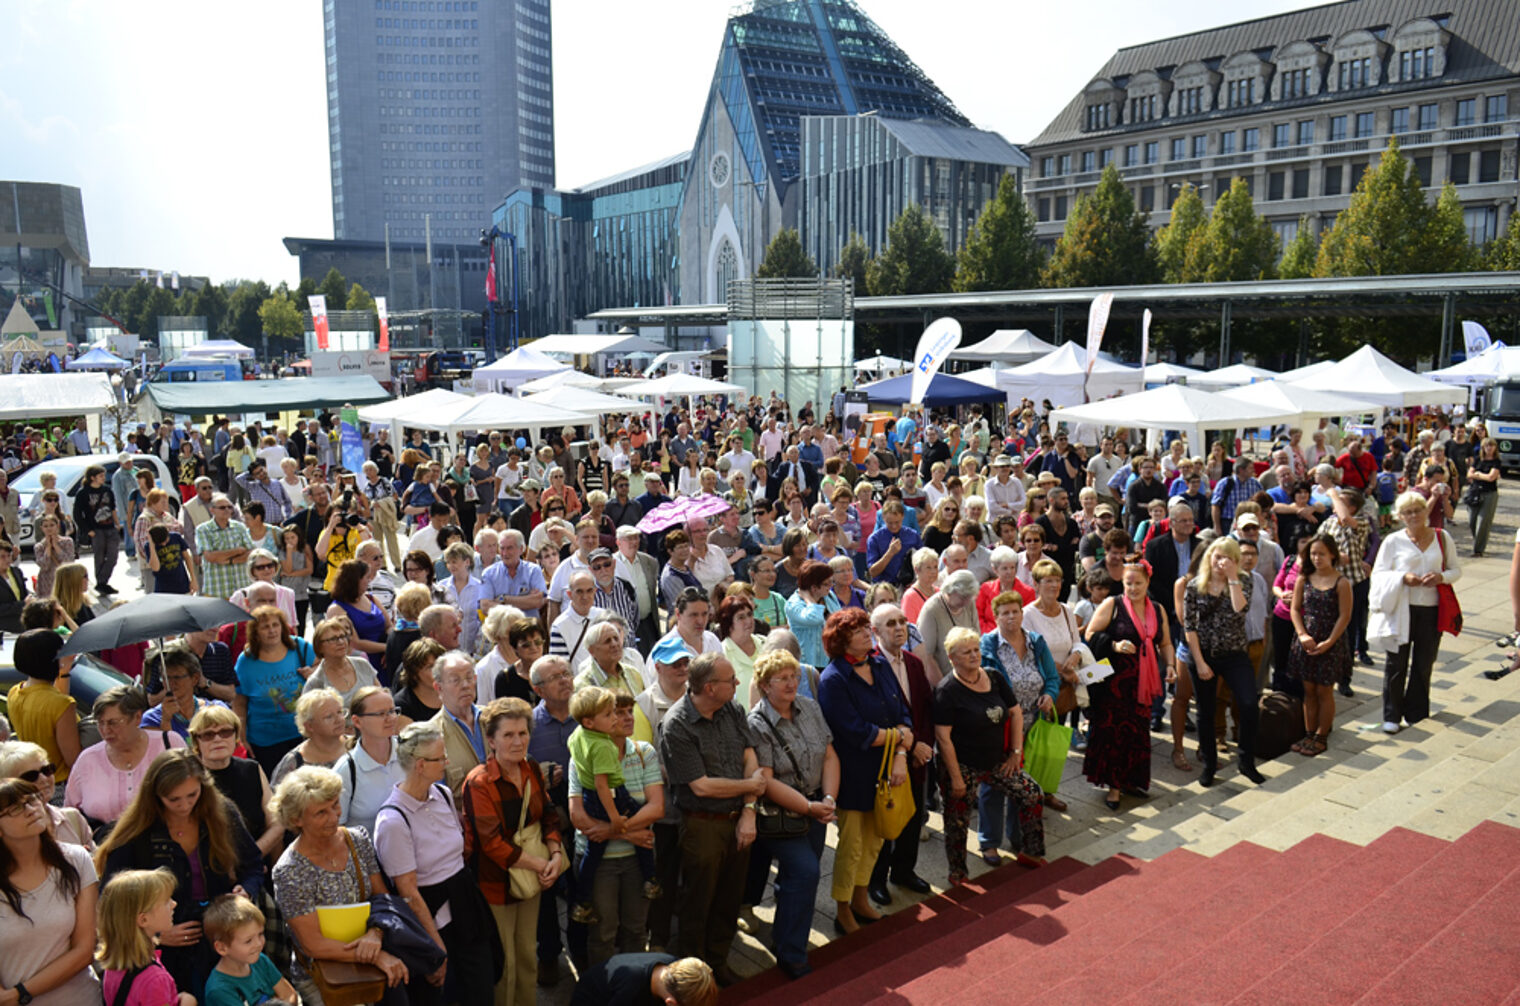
(488, 682)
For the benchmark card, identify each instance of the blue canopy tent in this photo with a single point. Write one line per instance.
(98, 359)
(943, 390)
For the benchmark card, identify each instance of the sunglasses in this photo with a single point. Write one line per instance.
(217, 734)
(261, 567)
(38, 773)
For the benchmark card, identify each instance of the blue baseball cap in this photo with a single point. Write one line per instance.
(670, 650)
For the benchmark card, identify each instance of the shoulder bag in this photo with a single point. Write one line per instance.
(529, 837)
(894, 804)
(773, 820)
(1448, 608)
(345, 983)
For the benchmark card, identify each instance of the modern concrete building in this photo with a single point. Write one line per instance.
(44, 249)
(436, 109)
(1299, 105)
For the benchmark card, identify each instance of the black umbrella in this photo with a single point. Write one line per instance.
(154, 616)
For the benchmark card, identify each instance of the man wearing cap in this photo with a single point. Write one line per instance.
(613, 593)
(197, 510)
(530, 514)
(1090, 552)
(654, 493)
(671, 661)
(1270, 554)
(641, 571)
(1005, 494)
(262, 489)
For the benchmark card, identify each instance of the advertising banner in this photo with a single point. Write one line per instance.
(352, 363)
(938, 341)
(319, 318)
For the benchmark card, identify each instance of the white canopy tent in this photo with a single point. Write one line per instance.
(1489, 367)
(617, 384)
(1170, 373)
(1231, 377)
(42, 396)
(1174, 407)
(679, 385)
(564, 378)
(621, 344)
(220, 347)
(1307, 370)
(1006, 345)
(412, 405)
(881, 364)
(497, 412)
(1061, 376)
(673, 358)
(1375, 378)
(1309, 403)
(98, 359)
(586, 401)
(515, 369)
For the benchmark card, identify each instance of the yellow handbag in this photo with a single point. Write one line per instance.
(894, 804)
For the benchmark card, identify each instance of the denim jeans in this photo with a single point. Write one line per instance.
(991, 808)
(797, 874)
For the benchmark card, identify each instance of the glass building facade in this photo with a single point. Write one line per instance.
(43, 248)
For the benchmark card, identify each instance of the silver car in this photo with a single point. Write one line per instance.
(70, 472)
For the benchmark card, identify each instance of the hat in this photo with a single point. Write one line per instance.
(532, 484)
(1046, 479)
(599, 553)
(124, 458)
(1248, 520)
(1002, 461)
(1104, 508)
(670, 650)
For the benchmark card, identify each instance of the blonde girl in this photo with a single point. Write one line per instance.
(71, 589)
(136, 908)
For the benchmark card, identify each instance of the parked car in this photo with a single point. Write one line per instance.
(70, 472)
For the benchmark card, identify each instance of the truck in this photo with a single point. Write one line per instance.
(1501, 414)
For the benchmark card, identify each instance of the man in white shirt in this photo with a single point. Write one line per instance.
(1005, 495)
(1101, 468)
(708, 563)
(426, 538)
(586, 541)
(567, 636)
(771, 441)
(739, 459)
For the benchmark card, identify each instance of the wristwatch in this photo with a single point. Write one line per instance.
(23, 997)
(750, 806)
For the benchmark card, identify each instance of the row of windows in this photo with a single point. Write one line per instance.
(1144, 109)
(1416, 64)
(421, 130)
(429, 6)
(1355, 73)
(430, 198)
(403, 112)
(428, 59)
(525, 80)
(534, 32)
(427, 94)
(533, 99)
(1295, 83)
(532, 12)
(435, 147)
(1097, 117)
(1300, 133)
(408, 77)
(396, 216)
(1239, 93)
(434, 182)
(536, 50)
(404, 164)
(1190, 101)
(535, 134)
(434, 42)
(427, 24)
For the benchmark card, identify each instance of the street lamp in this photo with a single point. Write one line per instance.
(493, 296)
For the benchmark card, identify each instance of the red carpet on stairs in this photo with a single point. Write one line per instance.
(1408, 919)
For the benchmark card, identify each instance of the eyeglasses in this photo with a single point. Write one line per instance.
(440, 760)
(601, 565)
(722, 681)
(382, 712)
(264, 566)
(217, 734)
(551, 679)
(37, 773)
(221, 506)
(17, 809)
(895, 623)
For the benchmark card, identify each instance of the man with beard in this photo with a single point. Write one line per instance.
(1063, 537)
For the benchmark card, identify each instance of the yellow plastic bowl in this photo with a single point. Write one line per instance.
(344, 923)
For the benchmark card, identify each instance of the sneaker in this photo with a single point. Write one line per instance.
(653, 891)
(1079, 739)
(584, 914)
(1390, 727)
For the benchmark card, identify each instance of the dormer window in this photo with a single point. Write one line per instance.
(1420, 50)
(1097, 117)
(1240, 93)
(1355, 73)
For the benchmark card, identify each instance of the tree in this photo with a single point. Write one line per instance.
(359, 299)
(1106, 243)
(1236, 245)
(1170, 243)
(785, 258)
(854, 261)
(1001, 252)
(335, 289)
(1503, 254)
(1445, 247)
(915, 259)
(281, 318)
(158, 304)
(1298, 257)
(303, 292)
(1389, 229)
(242, 320)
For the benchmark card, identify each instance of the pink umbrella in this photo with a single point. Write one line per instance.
(679, 511)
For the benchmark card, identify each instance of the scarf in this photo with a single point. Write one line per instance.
(1150, 670)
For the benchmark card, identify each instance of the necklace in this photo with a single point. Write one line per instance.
(973, 680)
(329, 859)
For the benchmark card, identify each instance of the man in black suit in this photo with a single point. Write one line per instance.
(1169, 556)
(13, 592)
(805, 475)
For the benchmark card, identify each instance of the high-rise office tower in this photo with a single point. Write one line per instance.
(435, 108)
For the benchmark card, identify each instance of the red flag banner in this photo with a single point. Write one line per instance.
(319, 318)
(491, 276)
(385, 325)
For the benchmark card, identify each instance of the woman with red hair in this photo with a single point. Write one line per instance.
(865, 709)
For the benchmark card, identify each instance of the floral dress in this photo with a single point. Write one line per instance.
(1321, 611)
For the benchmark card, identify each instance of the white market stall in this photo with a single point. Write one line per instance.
(98, 359)
(1062, 377)
(1501, 363)
(624, 344)
(1309, 403)
(880, 364)
(44, 396)
(678, 385)
(383, 413)
(1231, 377)
(220, 347)
(1006, 345)
(1175, 407)
(1307, 370)
(497, 412)
(584, 400)
(1169, 373)
(1376, 378)
(564, 378)
(515, 369)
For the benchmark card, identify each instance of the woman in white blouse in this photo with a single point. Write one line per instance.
(1403, 600)
(1056, 625)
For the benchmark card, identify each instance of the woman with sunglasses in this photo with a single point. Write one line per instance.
(215, 737)
(110, 771)
(370, 769)
(939, 532)
(47, 906)
(26, 761)
(337, 667)
(263, 567)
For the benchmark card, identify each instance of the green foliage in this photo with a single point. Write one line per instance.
(1300, 254)
(1170, 243)
(281, 318)
(1445, 247)
(242, 319)
(854, 260)
(1106, 243)
(159, 303)
(1237, 244)
(1001, 253)
(785, 259)
(1389, 229)
(1503, 254)
(915, 259)
(335, 289)
(359, 299)
(303, 291)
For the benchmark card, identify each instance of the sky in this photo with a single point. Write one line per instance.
(197, 129)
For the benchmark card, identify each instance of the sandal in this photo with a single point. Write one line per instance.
(1304, 746)
(1180, 762)
(1320, 745)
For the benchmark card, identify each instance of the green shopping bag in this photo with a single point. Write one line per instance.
(1045, 750)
